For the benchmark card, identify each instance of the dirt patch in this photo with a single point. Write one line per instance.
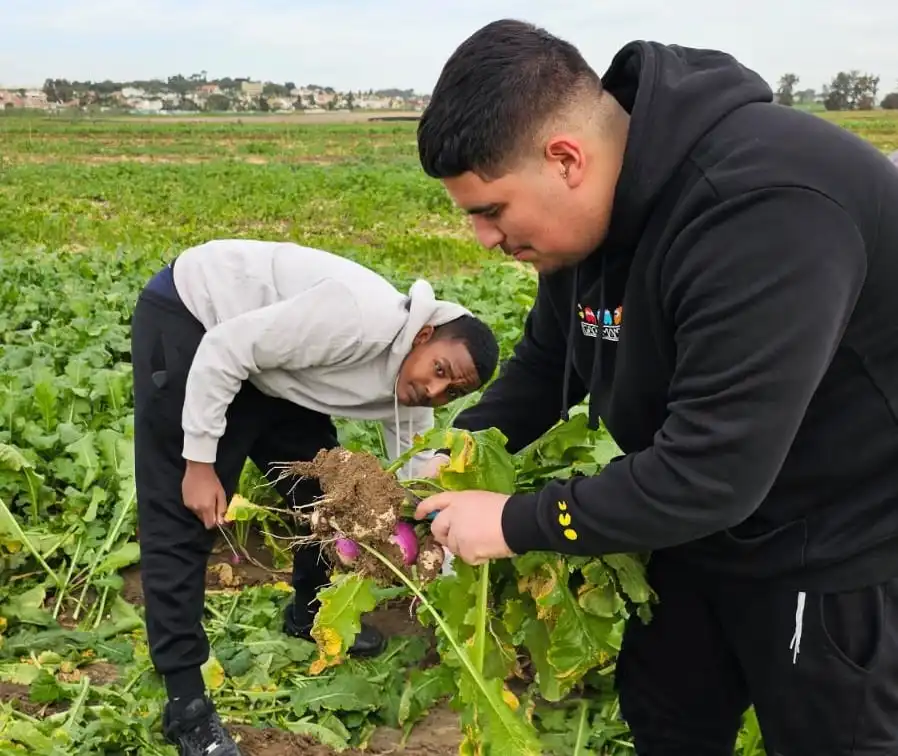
(437, 735)
(18, 696)
(257, 569)
(101, 673)
(397, 618)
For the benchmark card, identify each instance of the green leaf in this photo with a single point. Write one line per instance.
(570, 642)
(631, 573)
(343, 693)
(13, 459)
(339, 618)
(477, 460)
(241, 509)
(422, 690)
(502, 728)
(18, 673)
(26, 607)
(322, 733)
(124, 556)
(45, 688)
(85, 452)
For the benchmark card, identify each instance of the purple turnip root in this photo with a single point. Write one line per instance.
(407, 540)
(347, 551)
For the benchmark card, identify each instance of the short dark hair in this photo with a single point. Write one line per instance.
(479, 339)
(494, 94)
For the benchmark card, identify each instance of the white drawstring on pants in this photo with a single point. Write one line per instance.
(795, 645)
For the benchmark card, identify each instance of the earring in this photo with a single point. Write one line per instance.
(564, 172)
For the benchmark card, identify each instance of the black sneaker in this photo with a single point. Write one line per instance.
(368, 642)
(198, 731)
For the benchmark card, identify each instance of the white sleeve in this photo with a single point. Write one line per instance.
(318, 327)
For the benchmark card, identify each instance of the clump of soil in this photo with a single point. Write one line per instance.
(430, 558)
(361, 499)
(363, 502)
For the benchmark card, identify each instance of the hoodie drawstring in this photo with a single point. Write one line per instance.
(795, 645)
(448, 556)
(569, 350)
(596, 381)
(397, 421)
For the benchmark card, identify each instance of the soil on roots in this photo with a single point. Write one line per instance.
(363, 502)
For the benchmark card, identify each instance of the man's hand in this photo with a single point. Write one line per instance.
(203, 493)
(469, 524)
(432, 467)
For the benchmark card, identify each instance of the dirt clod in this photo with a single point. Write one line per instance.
(430, 558)
(362, 502)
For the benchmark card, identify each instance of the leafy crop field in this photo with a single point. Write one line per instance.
(520, 653)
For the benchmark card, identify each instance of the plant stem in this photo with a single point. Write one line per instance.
(20, 534)
(582, 732)
(482, 617)
(476, 674)
(101, 552)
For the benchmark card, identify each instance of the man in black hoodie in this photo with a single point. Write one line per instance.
(719, 275)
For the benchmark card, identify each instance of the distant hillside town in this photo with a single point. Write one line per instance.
(180, 94)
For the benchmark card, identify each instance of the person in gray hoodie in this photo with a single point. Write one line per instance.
(245, 349)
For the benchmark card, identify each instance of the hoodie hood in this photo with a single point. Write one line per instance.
(423, 309)
(674, 95)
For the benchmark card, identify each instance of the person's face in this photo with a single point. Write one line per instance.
(435, 372)
(551, 210)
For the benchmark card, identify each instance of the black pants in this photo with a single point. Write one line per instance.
(717, 645)
(175, 545)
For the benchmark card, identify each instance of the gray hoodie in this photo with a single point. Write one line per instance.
(304, 325)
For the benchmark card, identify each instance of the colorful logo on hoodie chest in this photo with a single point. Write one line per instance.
(594, 322)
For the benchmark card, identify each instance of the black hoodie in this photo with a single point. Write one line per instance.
(737, 332)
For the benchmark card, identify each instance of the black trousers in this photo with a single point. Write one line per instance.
(717, 645)
(175, 545)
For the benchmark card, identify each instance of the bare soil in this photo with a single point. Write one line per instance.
(18, 695)
(100, 673)
(436, 735)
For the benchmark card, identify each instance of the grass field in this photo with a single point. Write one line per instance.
(88, 211)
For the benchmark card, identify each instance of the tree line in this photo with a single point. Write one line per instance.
(848, 90)
(64, 90)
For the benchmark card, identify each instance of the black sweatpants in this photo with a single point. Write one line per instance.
(716, 645)
(175, 545)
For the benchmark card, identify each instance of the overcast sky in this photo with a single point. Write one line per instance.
(362, 44)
